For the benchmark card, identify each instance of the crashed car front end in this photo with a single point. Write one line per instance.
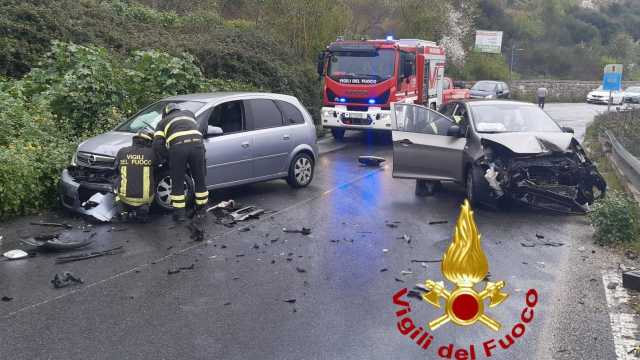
(558, 180)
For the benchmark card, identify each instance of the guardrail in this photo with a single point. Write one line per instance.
(627, 164)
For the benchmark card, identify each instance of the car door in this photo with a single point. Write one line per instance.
(229, 156)
(421, 147)
(272, 140)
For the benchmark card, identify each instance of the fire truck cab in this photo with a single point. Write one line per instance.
(363, 78)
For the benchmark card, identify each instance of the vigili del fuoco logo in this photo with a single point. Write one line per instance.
(465, 265)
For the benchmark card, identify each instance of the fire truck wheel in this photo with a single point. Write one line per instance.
(337, 133)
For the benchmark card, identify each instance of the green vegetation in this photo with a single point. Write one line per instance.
(624, 125)
(616, 219)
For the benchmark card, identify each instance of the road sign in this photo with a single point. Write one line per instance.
(489, 41)
(612, 79)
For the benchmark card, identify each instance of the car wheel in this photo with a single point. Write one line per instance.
(162, 196)
(337, 133)
(300, 171)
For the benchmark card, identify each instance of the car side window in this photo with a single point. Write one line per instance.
(264, 114)
(419, 119)
(448, 109)
(229, 117)
(291, 113)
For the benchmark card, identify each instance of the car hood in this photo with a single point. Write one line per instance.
(532, 142)
(480, 92)
(602, 93)
(107, 143)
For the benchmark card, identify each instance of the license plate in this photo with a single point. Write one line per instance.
(355, 115)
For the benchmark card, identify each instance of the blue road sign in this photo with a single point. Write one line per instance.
(612, 81)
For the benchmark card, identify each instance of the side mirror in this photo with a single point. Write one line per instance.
(214, 131)
(567, 130)
(455, 131)
(499, 92)
(320, 64)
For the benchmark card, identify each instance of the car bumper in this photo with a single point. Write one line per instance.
(342, 118)
(73, 194)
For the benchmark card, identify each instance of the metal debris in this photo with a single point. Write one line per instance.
(371, 160)
(50, 224)
(303, 231)
(385, 250)
(406, 272)
(438, 222)
(85, 256)
(224, 205)
(290, 301)
(64, 280)
(245, 213)
(15, 254)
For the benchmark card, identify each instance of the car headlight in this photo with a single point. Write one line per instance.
(385, 116)
(74, 159)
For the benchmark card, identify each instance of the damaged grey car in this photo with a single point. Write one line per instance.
(498, 150)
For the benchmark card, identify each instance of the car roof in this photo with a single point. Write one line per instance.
(218, 95)
(488, 81)
(471, 102)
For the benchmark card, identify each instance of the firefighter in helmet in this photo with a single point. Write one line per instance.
(177, 136)
(134, 185)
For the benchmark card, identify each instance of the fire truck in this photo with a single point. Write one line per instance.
(362, 79)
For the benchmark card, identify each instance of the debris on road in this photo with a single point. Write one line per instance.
(91, 255)
(245, 213)
(174, 271)
(612, 285)
(399, 280)
(539, 236)
(223, 205)
(105, 207)
(406, 238)
(245, 229)
(6, 298)
(383, 269)
(300, 270)
(15, 254)
(426, 261)
(391, 225)
(438, 222)
(406, 272)
(50, 224)
(64, 280)
(290, 301)
(303, 231)
(385, 250)
(55, 243)
(631, 280)
(367, 160)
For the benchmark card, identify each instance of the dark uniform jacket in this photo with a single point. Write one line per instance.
(135, 165)
(177, 127)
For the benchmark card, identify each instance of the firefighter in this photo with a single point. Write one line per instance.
(177, 136)
(134, 184)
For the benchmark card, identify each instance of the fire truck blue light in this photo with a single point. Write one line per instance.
(372, 101)
(343, 100)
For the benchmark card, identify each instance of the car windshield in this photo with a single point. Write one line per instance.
(511, 117)
(484, 86)
(151, 115)
(378, 65)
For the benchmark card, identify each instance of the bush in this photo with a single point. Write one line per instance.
(616, 219)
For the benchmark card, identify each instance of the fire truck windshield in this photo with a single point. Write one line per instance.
(372, 66)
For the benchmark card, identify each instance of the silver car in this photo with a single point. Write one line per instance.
(498, 150)
(249, 137)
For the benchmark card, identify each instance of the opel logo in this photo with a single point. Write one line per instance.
(91, 159)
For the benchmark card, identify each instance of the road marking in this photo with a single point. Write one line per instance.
(624, 326)
(196, 245)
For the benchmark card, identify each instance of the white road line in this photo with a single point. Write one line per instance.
(624, 326)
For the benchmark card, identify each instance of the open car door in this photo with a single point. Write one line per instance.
(421, 147)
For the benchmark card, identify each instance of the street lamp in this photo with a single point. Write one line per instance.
(513, 54)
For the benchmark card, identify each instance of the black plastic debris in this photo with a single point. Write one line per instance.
(256, 246)
(384, 269)
(391, 225)
(303, 231)
(91, 255)
(55, 243)
(300, 270)
(6, 298)
(631, 280)
(290, 301)
(539, 236)
(415, 294)
(370, 160)
(399, 280)
(245, 229)
(174, 271)
(438, 222)
(50, 224)
(426, 261)
(227, 303)
(64, 280)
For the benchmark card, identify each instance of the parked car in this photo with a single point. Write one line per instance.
(631, 102)
(497, 150)
(249, 137)
(599, 96)
(490, 90)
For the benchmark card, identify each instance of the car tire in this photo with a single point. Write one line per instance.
(426, 187)
(301, 170)
(338, 133)
(162, 199)
(477, 189)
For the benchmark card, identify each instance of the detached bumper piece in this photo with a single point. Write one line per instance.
(558, 182)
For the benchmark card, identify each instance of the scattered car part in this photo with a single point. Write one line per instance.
(371, 160)
(303, 231)
(64, 280)
(105, 208)
(438, 222)
(426, 261)
(290, 301)
(15, 254)
(91, 255)
(55, 244)
(49, 224)
(631, 280)
(6, 298)
(245, 213)
(224, 205)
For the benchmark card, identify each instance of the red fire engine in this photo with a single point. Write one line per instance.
(362, 79)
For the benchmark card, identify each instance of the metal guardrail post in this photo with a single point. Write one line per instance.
(631, 164)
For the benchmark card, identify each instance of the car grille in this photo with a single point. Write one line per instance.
(632, 99)
(95, 161)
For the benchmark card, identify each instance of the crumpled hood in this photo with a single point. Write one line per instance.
(107, 143)
(532, 142)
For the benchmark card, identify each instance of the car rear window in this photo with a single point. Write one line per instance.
(264, 113)
(292, 114)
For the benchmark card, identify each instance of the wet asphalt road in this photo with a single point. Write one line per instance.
(231, 305)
